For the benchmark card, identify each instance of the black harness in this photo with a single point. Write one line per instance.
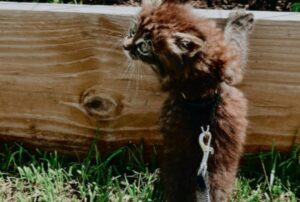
(206, 105)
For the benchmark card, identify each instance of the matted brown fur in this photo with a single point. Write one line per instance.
(193, 61)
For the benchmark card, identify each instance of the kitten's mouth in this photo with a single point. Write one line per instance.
(133, 56)
(130, 54)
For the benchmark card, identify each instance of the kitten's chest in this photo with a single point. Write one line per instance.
(179, 117)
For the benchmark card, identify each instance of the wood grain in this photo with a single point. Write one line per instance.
(65, 81)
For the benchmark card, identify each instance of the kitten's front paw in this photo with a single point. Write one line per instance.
(241, 20)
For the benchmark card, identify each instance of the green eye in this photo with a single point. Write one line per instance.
(144, 47)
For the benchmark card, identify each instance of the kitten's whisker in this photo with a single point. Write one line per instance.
(117, 31)
(137, 79)
(121, 26)
(111, 32)
(116, 21)
(130, 76)
(142, 76)
(113, 38)
(126, 71)
(119, 21)
(117, 46)
(119, 42)
(117, 35)
(123, 58)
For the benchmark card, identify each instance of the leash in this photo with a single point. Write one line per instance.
(204, 142)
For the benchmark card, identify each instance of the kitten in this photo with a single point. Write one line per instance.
(197, 64)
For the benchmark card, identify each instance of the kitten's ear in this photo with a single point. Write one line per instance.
(188, 43)
(151, 3)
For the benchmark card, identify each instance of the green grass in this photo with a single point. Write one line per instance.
(124, 176)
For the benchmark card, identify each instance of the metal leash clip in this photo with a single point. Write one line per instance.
(204, 142)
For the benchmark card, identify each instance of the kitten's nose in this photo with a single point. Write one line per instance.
(127, 44)
(127, 47)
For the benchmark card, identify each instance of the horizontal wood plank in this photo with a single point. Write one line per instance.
(64, 79)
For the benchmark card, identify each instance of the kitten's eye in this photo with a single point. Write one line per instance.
(144, 47)
(188, 45)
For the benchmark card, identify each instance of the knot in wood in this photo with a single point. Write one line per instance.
(101, 104)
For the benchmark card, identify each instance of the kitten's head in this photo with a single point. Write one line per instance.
(177, 44)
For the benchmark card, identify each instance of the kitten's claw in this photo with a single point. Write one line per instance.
(241, 20)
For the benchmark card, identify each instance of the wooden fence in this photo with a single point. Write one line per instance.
(64, 79)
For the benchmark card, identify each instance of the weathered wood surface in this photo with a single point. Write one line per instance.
(63, 77)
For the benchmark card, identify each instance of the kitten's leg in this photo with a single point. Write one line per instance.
(222, 174)
(179, 172)
(238, 27)
(221, 185)
(227, 141)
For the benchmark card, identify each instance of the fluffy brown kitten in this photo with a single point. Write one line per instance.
(197, 65)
